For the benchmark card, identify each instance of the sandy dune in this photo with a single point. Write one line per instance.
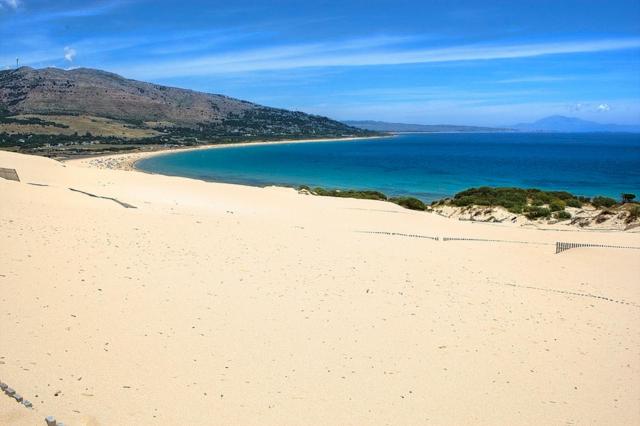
(222, 304)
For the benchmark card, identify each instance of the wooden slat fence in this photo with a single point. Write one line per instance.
(9, 174)
(561, 246)
(399, 234)
(493, 241)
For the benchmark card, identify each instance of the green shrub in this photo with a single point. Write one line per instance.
(599, 202)
(634, 213)
(517, 208)
(557, 205)
(537, 212)
(574, 202)
(409, 203)
(539, 198)
(349, 193)
(509, 198)
(515, 200)
(628, 198)
(366, 195)
(562, 195)
(562, 215)
(406, 202)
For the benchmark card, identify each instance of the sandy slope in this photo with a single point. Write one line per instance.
(223, 304)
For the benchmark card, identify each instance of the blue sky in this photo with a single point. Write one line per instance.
(460, 62)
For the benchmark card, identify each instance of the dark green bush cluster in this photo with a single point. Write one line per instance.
(557, 205)
(531, 202)
(31, 120)
(599, 202)
(536, 212)
(516, 200)
(539, 197)
(513, 199)
(409, 203)
(349, 193)
(574, 202)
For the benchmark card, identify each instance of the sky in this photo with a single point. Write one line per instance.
(422, 61)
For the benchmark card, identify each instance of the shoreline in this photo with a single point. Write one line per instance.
(127, 161)
(497, 215)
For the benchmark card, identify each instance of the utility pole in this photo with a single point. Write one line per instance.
(17, 62)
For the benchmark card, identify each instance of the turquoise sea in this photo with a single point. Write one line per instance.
(427, 166)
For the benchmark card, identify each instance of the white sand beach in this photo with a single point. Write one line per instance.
(212, 303)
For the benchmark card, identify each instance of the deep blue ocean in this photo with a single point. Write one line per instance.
(427, 166)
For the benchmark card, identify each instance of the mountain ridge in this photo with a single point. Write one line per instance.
(44, 101)
(553, 123)
(560, 123)
(383, 126)
(104, 94)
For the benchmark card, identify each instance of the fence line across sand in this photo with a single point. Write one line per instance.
(494, 241)
(9, 174)
(560, 246)
(399, 234)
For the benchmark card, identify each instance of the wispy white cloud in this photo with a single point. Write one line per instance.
(55, 13)
(352, 53)
(38, 49)
(69, 53)
(604, 108)
(11, 4)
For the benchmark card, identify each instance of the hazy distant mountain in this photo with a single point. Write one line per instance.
(52, 92)
(381, 126)
(559, 123)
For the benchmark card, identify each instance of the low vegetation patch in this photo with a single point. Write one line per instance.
(409, 203)
(574, 202)
(349, 193)
(557, 205)
(536, 204)
(517, 200)
(600, 202)
(562, 215)
(406, 202)
(31, 120)
(478, 204)
(536, 212)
